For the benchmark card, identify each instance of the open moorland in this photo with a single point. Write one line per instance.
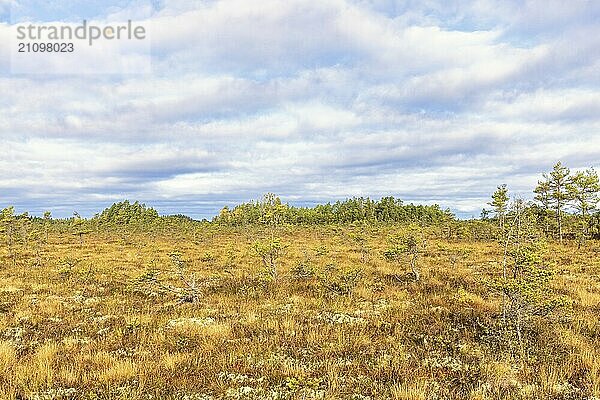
(203, 311)
(359, 300)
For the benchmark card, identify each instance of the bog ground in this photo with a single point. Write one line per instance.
(316, 312)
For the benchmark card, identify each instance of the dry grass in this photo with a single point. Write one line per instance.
(86, 330)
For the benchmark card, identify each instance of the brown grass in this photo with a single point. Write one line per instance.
(90, 332)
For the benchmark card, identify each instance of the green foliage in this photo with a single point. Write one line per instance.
(342, 282)
(190, 290)
(500, 203)
(151, 284)
(542, 196)
(269, 252)
(559, 195)
(148, 283)
(126, 213)
(208, 257)
(66, 266)
(525, 281)
(303, 270)
(271, 211)
(409, 243)
(79, 227)
(560, 192)
(584, 189)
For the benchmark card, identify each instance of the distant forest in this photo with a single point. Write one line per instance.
(564, 206)
(271, 210)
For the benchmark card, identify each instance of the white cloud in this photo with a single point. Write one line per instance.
(314, 100)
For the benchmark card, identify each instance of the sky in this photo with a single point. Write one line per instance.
(431, 101)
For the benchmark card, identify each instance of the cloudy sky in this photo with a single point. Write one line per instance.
(428, 100)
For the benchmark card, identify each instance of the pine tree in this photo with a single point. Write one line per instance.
(525, 282)
(79, 227)
(500, 204)
(583, 189)
(542, 196)
(411, 243)
(559, 193)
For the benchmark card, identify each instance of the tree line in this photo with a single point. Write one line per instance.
(564, 205)
(270, 210)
